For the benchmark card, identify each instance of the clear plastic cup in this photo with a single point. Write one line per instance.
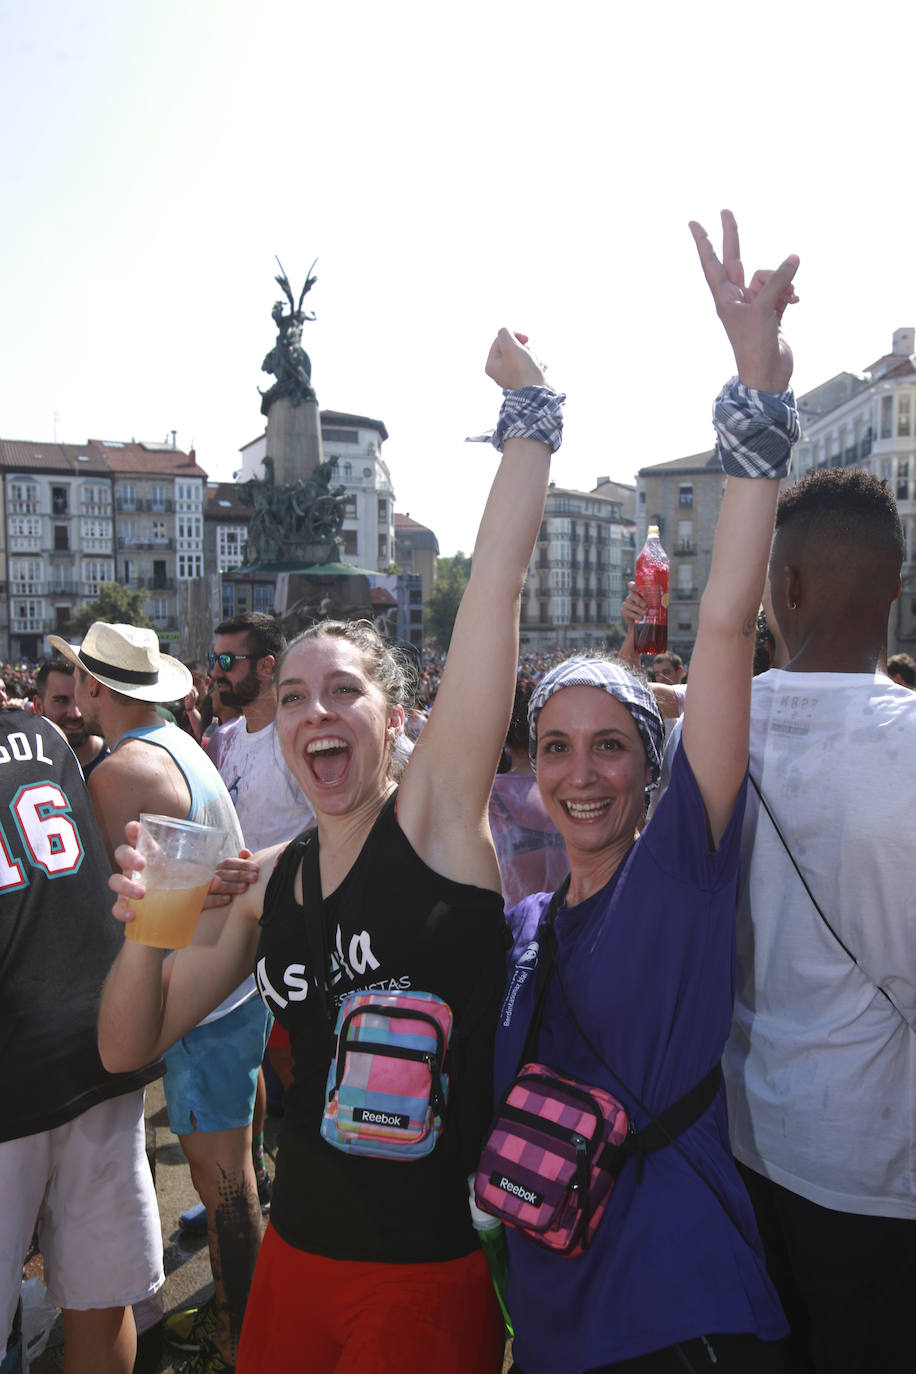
(181, 859)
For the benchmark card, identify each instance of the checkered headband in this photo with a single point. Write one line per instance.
(614, 679)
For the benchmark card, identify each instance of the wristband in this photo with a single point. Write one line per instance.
(530, 412)
(755, 430)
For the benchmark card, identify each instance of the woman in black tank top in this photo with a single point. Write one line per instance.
(367, 1260)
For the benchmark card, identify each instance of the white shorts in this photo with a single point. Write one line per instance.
(89, 1187)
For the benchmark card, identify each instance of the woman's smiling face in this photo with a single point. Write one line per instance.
(592, 768)
(335, 725)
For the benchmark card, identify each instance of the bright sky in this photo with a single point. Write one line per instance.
(453, 168)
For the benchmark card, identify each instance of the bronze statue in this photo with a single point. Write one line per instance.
(290, 519)
(288, 360)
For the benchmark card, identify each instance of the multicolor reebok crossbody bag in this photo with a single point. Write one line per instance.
(387, 1085)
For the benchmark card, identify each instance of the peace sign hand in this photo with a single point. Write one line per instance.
(751, 314)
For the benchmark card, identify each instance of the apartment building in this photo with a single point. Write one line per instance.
(577, 574)
(77, 515)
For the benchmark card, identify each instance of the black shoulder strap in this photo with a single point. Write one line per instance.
(547, 953)
(817, 907)
(313, 916)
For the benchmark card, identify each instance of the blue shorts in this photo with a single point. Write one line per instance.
(213, 1071)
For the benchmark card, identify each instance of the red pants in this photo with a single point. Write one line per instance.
(326, 1316)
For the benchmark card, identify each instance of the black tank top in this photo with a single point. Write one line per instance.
(391, 924)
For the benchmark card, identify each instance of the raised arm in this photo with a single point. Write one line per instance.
(443, 801)
(756, 426)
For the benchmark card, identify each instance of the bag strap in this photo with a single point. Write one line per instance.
(661, 1130)
(547, 953)
(817, 907)
(315, 933)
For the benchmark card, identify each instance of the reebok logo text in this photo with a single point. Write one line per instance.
(373, 1118)
(507, 1185)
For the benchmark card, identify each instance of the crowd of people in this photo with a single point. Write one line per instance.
(663, 1031)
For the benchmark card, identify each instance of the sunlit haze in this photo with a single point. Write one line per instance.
(453, 169)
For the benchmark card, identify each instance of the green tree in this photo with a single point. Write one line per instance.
(116, 604)
(451, 579)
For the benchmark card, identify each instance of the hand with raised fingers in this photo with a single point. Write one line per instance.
(751, 313)
(512, 364)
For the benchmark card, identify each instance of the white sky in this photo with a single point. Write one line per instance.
(453, 169)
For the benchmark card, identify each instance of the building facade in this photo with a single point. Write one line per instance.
(77, 515)
(683, 498)
(577, 575)
(863, 420)
(869, 421)
(416, 550)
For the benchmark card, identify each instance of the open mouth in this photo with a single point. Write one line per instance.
(329, 759)
(587, 810)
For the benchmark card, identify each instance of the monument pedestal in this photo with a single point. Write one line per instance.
(294, 439)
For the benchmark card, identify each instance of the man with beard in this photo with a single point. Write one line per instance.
(270, 803)
(54, 698)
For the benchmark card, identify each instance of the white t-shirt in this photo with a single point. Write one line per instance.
(271, 805)
(820, 1069)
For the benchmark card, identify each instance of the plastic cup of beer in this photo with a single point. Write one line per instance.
(181, 859)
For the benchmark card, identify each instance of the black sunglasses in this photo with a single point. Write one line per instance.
(226, 661)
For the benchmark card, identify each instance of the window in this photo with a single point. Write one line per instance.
(61, 537)
(349, 508)
(684, 623)
(340, 436)
(903, 479)
(128, 497)
(60, 501)
(685, 494)
(158, 502)
(96, 571)
(25, 575)
(684, 535)
(382, 511)
(228, 600)
(685, 580)
(887, 417)
(383, 548)
(349, 541)
(262, 597)
(904, 414)
(95, 499)
(159, 535)
(160, 576)
(189, 565)
(159, 609)
(23, 498)
(346, 471)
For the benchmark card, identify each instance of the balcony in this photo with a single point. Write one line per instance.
(139, 544)
(685, 593)
(686, 548)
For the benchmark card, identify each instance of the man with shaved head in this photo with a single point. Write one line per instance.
(821, 1064)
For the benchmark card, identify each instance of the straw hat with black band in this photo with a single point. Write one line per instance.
(126, 658)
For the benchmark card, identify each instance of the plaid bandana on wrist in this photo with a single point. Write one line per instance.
(755, 430)
(530, 412)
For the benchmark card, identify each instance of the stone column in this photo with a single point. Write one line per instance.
(294, 439)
